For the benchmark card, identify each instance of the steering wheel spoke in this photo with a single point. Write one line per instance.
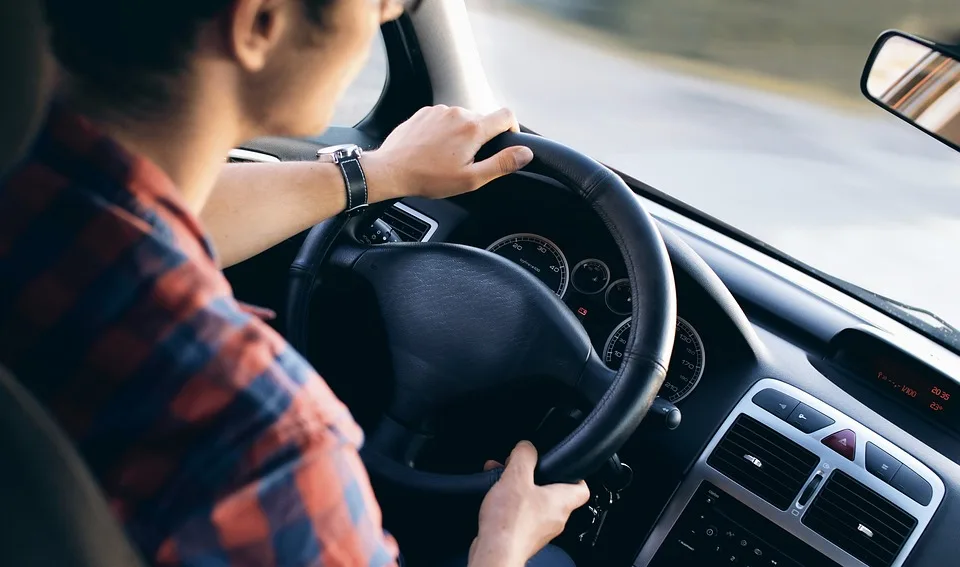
(396, 441)
(348, 248)
(595, 379)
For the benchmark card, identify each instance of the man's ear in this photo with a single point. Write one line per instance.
(255, 29)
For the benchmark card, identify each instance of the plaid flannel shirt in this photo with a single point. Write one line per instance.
(215, 442)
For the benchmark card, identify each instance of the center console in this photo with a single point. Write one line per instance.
(789, 481)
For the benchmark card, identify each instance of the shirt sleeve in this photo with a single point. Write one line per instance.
(274, 476)
(214, 441)
(310, 503)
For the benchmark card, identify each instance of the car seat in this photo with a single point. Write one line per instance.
(52, 512)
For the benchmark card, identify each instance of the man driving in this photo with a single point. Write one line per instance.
(215, 442)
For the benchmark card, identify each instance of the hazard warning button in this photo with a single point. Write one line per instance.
(843, 442)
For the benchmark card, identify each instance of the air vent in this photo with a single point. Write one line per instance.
(409, 224)
(763, 461)
(859, 521)
(247, 156)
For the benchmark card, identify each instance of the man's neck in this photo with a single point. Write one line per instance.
(189, 143)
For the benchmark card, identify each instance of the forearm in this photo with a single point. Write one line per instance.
(255, 206)
(494, 552)
(494, 560)
(258, 205)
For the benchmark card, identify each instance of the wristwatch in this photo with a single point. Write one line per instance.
(347, 156)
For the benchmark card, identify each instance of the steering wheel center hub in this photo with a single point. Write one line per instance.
(460, 320)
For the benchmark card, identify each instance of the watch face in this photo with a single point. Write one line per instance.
(339, 152)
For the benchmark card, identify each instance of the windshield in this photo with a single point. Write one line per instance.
(751, 112)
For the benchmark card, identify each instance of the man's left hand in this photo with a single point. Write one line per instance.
(432, 154)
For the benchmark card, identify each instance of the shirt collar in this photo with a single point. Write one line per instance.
(81, 140)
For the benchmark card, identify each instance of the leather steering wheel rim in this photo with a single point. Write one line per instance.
(621, 400)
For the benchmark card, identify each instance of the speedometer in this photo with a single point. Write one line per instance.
(686, 362)
(538, 256)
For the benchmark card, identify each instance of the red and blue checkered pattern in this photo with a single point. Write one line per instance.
(215, 442)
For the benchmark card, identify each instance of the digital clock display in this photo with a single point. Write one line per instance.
(921, 391)
(900, 377)
(922, 394)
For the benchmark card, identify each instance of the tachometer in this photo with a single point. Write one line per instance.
(537, 255)
(686, 362)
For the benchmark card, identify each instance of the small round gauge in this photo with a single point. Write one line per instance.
(590, 276)
(686, 362)
(538, 256)
(619, 297)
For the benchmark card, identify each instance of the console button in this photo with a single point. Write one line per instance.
(913, 485)
(684, 549)
(775, 402)
(712, 549)
(880, 463)
(843, 442)
(807, 419)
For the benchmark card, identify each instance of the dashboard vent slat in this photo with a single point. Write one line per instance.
(763, 461)
(859, 521)
(408, 227)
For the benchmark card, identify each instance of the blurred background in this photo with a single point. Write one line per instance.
(818, 42)
(749, 110)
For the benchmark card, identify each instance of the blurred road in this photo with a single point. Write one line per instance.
(856, 194)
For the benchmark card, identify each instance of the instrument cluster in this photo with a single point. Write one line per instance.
(604, 307)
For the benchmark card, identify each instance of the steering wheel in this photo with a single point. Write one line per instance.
(460, 321)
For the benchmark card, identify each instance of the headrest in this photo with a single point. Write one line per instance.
(26, 73)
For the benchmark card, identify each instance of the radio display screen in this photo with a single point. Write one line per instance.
(924, 394)
(901, 377)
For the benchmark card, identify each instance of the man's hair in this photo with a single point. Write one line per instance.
(123, 48)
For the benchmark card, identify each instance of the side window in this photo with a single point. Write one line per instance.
(363, 94)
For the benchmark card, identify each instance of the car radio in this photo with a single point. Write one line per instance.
(716, 530)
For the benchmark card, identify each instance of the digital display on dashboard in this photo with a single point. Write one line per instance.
(896, 375)
(928, 396)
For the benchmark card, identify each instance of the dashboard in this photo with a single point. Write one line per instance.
(583, 267)
(599, 301)
(869, 429)
(743, 478)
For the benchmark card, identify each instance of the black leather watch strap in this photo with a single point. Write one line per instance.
(356, 184)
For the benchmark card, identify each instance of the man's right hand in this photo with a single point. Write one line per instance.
(517, 517)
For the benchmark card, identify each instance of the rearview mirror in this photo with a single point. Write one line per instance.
(918, 81)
